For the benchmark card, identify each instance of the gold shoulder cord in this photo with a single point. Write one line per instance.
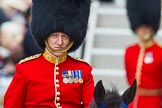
(140, 64)
(29, 58)
(159, 44)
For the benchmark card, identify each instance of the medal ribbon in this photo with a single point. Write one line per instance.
(80, 74)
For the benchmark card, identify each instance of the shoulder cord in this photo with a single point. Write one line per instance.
(140, 64)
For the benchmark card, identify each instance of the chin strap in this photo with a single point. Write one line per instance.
(61, 50)
(148, 36)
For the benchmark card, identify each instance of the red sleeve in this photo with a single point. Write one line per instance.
(88, 88)
(128, 65)
(15, 94)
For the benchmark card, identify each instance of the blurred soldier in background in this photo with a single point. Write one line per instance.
(143, 60)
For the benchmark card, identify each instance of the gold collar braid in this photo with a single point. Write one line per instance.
(53, 59)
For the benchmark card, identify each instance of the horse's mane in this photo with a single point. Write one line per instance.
(112, 97)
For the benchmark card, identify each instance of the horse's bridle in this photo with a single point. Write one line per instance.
(121, 104)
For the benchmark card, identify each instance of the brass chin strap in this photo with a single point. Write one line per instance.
(147, 36)
(61, 50)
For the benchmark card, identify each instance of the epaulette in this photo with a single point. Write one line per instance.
(78, 59)
(159, 44)
(29, 58)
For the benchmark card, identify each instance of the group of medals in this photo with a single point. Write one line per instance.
(72, 76)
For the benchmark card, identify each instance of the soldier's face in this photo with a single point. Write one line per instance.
(58, 41)
(144, 32)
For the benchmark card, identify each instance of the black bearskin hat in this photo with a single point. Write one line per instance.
(144, 12)
(67, 16)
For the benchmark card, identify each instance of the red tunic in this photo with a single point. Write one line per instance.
(38, 83)
(151, 74)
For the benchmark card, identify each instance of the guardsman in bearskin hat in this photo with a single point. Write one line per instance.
(53, 79)
(143, 60)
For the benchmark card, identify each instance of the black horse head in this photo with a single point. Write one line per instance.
(112, 99)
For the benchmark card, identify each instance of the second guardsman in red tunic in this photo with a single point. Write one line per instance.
(143, 60)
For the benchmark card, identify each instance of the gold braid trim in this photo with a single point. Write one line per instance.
(159, 44)
(140, 64)
(29, 58)
(78, 59)
(1, 101)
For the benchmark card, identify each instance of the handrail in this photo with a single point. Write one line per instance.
(91, 31)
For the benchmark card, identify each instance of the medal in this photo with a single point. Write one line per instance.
(65, 80)
(70, 76)
(70, 80)
(75, 80)
(80, 80)
(65, 76)
(80, 76)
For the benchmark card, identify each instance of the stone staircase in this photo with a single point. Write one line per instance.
(108, 35)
